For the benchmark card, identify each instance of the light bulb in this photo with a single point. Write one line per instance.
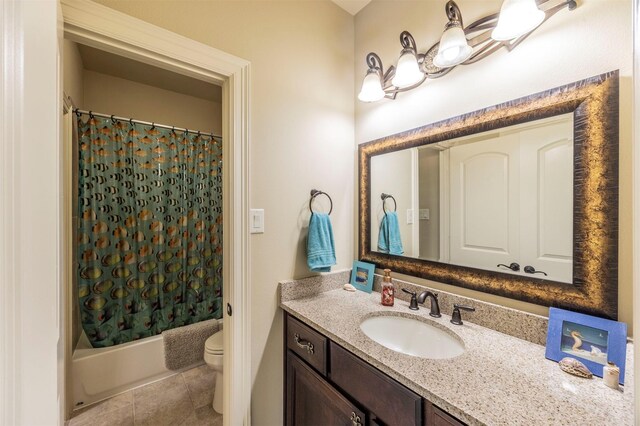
(408, 71)
(371, 88)
(517, 18)
(453, 49)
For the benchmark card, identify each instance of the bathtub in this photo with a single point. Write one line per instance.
(99, 373)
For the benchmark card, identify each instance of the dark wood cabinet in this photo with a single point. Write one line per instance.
(436, 417)
(328, 385)
(313, 401)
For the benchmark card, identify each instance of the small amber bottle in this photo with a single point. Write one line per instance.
(387, 289)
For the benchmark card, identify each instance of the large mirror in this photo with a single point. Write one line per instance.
(518, 199)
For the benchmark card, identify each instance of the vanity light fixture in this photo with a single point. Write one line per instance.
(458, 45)
(517, 17)
(454, 48)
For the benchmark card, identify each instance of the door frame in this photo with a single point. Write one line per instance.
(104, 28)
(32, 193)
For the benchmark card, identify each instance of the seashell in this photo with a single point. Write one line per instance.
(348, 287)
(147, 266)
(135, 283)
(119, 293)
(110, 259)
(170, 286)
(575, 367)
(149, 292)
(90, 273)
(102, 286)
(95, 303)
(199, 272)
(157, 278)
(193, 260)
(164, 256)
(120, 272)
(173, 267)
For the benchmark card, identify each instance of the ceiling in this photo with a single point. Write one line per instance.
(121, 67)
(352, 6)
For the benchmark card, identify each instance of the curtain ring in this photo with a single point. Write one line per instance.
(78, 114)
(91, 114)
(131, 121)
(153, 126)
(113, 120)
(198, 132)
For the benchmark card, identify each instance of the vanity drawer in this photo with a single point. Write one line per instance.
(308, 344)
(437, 417)
(387, 399)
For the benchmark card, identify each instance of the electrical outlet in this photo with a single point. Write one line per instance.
(424, 214)
(409, 216)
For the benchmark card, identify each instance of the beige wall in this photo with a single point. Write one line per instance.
(125, 98)
(392, 174)
(429, 196)
(594, 38)
(72, 73)
(301, 55)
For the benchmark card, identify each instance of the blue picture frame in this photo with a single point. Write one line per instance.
(362, 276)
(591, 340)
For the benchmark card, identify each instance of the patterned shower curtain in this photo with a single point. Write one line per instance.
(149, 230)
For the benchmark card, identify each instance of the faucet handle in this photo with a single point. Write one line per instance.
(413, 305)
(456, 317)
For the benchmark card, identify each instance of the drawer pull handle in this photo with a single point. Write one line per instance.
(355, 419)
(303, 343)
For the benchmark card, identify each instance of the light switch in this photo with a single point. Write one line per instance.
(424, 214)
(409, 216)
(256, 221)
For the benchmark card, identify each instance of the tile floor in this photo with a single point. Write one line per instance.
(183, 399)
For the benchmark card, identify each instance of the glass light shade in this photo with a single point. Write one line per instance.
(453, 49)
(517, 17)
(371, 88)
(408, 71)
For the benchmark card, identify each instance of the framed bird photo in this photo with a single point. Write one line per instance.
(593, 341)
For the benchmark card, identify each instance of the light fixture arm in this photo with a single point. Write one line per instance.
(478, 36)
(453, 13)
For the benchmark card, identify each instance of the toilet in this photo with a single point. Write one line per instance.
(213, 353)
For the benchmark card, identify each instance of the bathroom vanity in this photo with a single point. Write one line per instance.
(326, 384)
(336, 374)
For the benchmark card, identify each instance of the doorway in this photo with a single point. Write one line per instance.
(105, 29)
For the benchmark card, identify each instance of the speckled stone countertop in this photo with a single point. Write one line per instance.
(498, 380)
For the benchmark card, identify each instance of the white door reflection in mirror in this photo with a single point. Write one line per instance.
(486, 199)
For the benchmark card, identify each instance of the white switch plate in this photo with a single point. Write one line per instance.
(409, 216)
(256, 221)
(424, 214)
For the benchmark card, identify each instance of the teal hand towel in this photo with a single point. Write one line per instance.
(389, 240)
(321, 253)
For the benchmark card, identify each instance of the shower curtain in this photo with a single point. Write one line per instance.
(149, 229)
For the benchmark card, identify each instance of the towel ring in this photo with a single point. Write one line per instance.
(314, 194)
(384, 198)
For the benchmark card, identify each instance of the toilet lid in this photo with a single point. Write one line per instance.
(214, 343)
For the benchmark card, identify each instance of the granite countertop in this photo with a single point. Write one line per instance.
(499, 379)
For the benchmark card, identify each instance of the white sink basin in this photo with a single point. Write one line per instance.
(412, 337)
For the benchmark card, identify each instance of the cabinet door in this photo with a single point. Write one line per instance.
(313, 401)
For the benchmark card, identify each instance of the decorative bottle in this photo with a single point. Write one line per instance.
(611, 375)
(387, 289)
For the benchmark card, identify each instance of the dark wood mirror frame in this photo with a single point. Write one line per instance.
(594, 104)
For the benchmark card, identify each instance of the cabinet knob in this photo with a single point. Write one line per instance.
(355, 419)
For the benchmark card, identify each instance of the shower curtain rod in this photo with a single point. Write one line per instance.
(146, 123)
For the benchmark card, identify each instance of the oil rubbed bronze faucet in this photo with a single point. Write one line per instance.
(435, 308)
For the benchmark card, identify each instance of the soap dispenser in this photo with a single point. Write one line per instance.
(387, 289)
